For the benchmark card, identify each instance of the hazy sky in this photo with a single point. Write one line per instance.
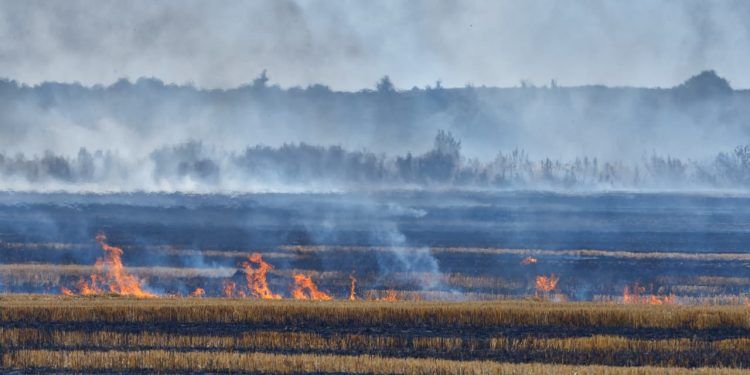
(350, 44)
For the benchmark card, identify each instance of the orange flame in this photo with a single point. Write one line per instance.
(528, 260)
(198, 293)
(303, 283)
(637, 295)
(89, 288)
(67, 292)
(256, 277)
(390, 296)
(546, 284)
(110, 275)
(353, 288)
(230, 290)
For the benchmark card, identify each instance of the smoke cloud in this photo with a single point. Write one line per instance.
(499, 78)
(348, 45)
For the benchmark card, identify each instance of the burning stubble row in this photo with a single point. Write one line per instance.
(111, 277)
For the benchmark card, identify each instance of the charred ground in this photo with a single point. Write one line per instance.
(453, 276)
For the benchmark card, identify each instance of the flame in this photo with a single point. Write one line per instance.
(390, 296)
(110, 275)
(256, 277)
(67, 292)
(353, 288)
(89, 288)
(528, 260)
(546, 284)
(198, 293)
(230, 290)
(302, 283)
(637, 295)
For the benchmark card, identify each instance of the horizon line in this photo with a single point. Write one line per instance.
(262, 80)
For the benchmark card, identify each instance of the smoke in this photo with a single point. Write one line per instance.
(452, 66)
(494, 43)
(365, 219)
(194, 168)
(416, 265)
(142, 120)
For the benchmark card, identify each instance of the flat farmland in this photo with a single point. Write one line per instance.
(367, 289)
(89, 333)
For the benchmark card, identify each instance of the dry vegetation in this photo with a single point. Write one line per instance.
(49, 309)
(467, 325)
(89, 333)
(672, 255)
(160, 360)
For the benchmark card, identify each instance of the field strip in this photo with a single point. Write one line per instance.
(285, 251)
(160, 360)
(423, 315)
(613, 350)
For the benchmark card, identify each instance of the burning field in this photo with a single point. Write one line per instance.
(113, 301)
(303, 275)
(259, 317)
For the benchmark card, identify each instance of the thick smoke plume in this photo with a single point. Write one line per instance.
(143, 137)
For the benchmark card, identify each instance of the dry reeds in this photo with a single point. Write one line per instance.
(160, 360)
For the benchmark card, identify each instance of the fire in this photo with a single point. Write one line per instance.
(303, 283)
(546, 284)
(198, 293)
(528, 260)
(110, 275)
(256, 277)
(89, 288)
(67, 292)
(637, 295)
(230, 290)
(353, 288)
(390, 296)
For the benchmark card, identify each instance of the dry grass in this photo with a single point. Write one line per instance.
(55, 271)
(173, 334)
(159, 360)
(583, 253)
(683, 352)
(341, 313)
(290, 251)
(154, 338)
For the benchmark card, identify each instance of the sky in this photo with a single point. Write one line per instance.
(349, 45)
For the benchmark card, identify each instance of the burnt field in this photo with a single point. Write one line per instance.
(404, 282)
(455, 246)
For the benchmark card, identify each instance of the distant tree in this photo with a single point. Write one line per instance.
(546, 167)
(446, 144)
(318, 89)
(385, 85)
(261, 81)
(705, 84)
(405, 167)
(735, 167)
(85, 165)
(442, 163)
(56, 166)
